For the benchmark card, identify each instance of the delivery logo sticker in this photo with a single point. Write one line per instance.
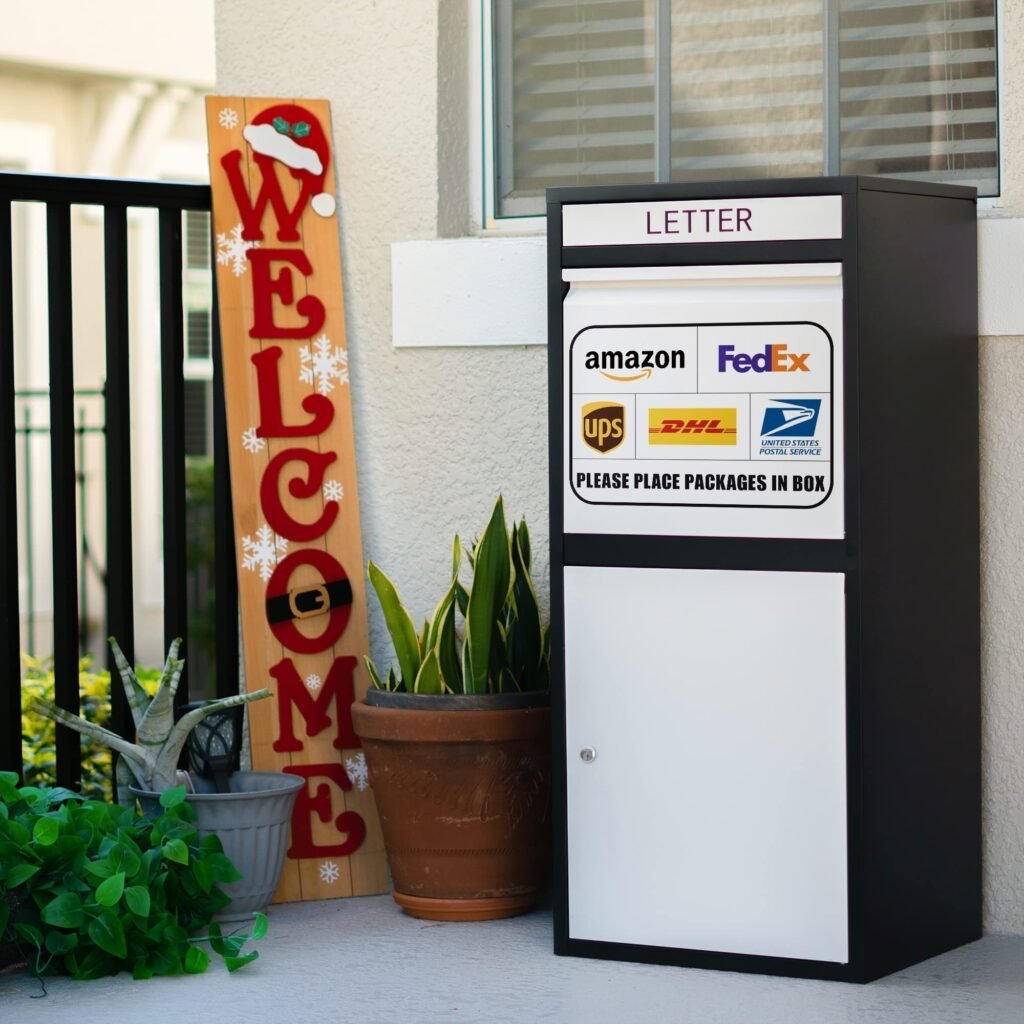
(604, 425)
(691, 426)
(791, 417)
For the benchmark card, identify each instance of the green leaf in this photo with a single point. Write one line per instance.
(259, 928)
(172, 797)
(18, 874)
(399, 623)
(65, 911)
(523, 537)
(109, 892)
(527, 644)
(107, 932)
(492, 580)
(29, 933)
(223, 869)
(196, 960)
(59, 943)
(374, 676)
(99, 868)
(235, 963)
(300, 129)
(176, 850)
(203, 871)
(137, 898)
(141, 971)
(447, 652)
(281, 125)
(18, 834)
(429, 678)
(45, 831)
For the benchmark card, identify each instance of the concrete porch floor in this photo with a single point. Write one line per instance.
(363, 962)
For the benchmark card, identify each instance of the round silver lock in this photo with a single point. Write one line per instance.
(588, 755)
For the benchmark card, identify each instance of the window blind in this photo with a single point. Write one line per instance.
(918, 90)
(575, 96)
(576, 89)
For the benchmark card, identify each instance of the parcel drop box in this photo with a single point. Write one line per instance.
(764, 521)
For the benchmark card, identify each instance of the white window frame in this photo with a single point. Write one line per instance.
(483, 216)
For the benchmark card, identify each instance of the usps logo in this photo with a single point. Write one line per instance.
(791, 417)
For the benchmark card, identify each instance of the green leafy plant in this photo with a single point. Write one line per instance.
(152, 762)
(500, 647)
(89, 888)
(38, 734)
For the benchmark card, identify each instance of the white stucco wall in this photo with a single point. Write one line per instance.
(441, 430)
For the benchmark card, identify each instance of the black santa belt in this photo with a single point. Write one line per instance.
(305, 602)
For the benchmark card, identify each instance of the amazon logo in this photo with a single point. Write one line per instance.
(628, 365)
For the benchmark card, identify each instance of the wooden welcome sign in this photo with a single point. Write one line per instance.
(293, 478)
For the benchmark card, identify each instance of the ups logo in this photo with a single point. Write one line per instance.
(604, 425)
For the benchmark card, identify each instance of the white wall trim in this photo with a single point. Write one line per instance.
(492, 291)
(469, 291)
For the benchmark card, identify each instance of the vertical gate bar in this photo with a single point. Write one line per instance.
(30, 580)
(830, 84)
(120, 597)
(83, 542)
(10, 627)
(63, 486)
(172, 392)
(663, 90)
(225, 579)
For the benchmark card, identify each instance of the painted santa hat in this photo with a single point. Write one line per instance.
(292, 135)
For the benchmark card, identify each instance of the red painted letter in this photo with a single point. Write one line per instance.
(265, 287)
(270, 191)
(302, 825)
(270, 496)
(291, 691)
(277, 586)
(272, 422)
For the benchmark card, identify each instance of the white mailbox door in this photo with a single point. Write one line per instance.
(713, 816)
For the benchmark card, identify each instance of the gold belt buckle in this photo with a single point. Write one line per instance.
(322, 605)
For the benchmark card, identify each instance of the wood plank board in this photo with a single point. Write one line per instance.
(336, 847)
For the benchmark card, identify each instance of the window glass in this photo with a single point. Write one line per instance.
(624, 91)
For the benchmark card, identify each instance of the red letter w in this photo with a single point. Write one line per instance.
(270, 192)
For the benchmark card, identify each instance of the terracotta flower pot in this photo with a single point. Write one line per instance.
(463, 788)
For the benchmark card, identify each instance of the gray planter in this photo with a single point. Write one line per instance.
(252, 822)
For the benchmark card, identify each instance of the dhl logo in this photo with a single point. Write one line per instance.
(691, 426)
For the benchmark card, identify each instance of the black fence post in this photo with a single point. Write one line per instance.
(10, 627)
(172, 396)
(63, 488)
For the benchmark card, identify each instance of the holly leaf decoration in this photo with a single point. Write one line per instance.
(300, 129)
(281, 125)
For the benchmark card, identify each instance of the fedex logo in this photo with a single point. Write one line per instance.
(773, 359)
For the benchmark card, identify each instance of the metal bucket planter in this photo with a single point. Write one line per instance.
(252, 821)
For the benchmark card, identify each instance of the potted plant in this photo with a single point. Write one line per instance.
(251, 817)
(89, 888)
(457, 741)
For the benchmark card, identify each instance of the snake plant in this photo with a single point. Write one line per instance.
(500, 645)
(152, 762)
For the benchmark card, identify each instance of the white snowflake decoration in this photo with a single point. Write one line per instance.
(232, 247)
(227, 118)
(313, 681)
(252, 442)
(260, 555)
(323, 364)
(329, 872)
(357, 771)
(333, 491)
